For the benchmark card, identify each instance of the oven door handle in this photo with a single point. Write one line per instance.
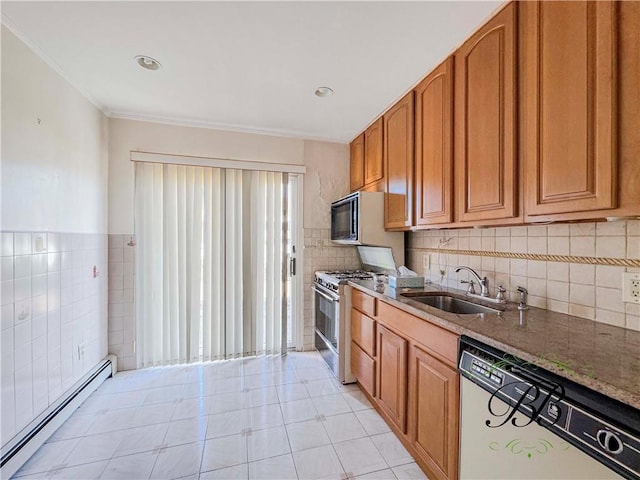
(322, 294)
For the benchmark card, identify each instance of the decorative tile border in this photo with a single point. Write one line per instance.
(616, 262)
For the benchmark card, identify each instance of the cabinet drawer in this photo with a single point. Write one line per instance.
(436, 339)
(363, 332)
(363, 368)
(363, 302)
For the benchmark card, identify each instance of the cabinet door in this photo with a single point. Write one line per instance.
(434, 149)
(434, 396)
(485, 121)
(363, 302)
(373, 165)
(398, 160)
(569, 97)
(392, 376)
(363, 332)
(357, 163)
(363, 368)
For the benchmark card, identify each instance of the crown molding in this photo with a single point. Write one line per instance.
(35, 48)
(186, 122)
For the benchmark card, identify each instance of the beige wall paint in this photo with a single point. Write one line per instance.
(54, 173)
(128, 135)
(326, 180)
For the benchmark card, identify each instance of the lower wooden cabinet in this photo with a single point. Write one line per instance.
(392, 376)
(363, 368)
(434, 399)
(363, 332)
(411, 378)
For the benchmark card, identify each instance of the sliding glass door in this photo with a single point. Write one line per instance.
(215, 263)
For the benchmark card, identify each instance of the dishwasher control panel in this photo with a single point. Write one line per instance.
(606, 439)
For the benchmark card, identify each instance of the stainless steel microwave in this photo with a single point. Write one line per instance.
(358, 219)
(344, 219)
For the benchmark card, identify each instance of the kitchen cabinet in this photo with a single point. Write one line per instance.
(357, 164)
(398, 160)
(364, 303)
(373, 153)
(416, 385)
(363, 340)
(569, 101)
(363, 332)
(485, 121)
(392, 376)
(434, 397)
(363, 368)
(367, 159)
(434, 148)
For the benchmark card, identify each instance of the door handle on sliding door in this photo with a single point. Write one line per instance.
(292, 266)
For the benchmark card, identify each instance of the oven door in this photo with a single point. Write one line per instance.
(327, 321)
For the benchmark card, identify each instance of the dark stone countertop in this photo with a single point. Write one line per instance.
(599, 356)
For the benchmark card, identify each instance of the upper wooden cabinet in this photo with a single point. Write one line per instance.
(485, 121)
(367, 165)
(434, 148)
(568, 68)
(398, 161)
(373, 156)
(357, 163)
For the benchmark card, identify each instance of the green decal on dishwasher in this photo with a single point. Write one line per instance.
(528, 448)
(508, 359)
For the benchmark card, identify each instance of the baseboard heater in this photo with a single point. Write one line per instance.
(21, 447)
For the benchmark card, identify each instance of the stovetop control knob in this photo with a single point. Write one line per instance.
(609, 441)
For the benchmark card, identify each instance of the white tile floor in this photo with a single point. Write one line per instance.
(258, 418)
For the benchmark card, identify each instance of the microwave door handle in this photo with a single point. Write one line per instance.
(354, 221)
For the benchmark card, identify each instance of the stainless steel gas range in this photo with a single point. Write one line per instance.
(332, 304)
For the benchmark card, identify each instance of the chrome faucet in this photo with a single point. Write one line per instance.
(483, 282)
(522, 304)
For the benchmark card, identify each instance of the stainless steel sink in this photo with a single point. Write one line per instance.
(451, 304)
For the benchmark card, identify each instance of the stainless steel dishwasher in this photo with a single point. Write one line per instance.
(519, 421)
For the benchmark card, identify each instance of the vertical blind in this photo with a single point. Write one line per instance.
(210, 264)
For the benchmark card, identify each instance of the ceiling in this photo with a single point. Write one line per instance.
(248, 66)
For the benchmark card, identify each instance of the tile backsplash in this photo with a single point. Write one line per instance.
(584, 290)
(320, 253)
(122, 325)
(53, 319)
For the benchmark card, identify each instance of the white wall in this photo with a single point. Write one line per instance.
(54, 220)
(54, 173)
(128, 135)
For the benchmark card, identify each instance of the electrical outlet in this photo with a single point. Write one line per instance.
(631, 287)
(426, 262)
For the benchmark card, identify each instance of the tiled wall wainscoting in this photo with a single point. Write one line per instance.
(54, 310)
(122, 324)
(582, 289)
(320, 253)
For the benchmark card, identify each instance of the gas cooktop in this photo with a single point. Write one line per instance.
(349, 274)
(331, 279)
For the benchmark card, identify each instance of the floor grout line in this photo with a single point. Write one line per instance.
(272, 392)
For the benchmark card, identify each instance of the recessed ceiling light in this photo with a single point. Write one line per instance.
(323, 92)
(147, 62)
